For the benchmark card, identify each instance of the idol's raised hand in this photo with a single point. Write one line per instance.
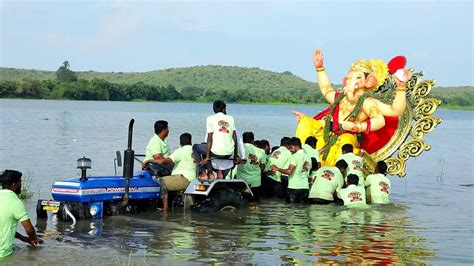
(318, 59)
(401, 77)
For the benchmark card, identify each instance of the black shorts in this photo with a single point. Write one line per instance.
(257, 192)
(297, 195)
(320, 201)
(272, 188)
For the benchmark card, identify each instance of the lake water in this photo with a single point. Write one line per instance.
(430, 219)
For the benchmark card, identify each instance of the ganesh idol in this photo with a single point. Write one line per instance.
(354, 116)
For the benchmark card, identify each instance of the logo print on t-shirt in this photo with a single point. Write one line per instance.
(357, 165)
(384, 187)
(224, 126)
(355, 196)
(328, 175)
(305, 167)
(253, 159)
(275, 154)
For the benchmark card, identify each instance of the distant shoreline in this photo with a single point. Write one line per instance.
(443, 106)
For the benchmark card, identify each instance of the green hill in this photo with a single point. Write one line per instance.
(207, 77)
(200, 83)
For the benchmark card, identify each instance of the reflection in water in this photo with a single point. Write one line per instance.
(271, 232)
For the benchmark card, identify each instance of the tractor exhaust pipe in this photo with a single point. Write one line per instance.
(128, 156)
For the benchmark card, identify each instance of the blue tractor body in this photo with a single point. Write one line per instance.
(97, 196)
(105, 188)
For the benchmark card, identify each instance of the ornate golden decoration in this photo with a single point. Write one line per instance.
(416, 121)
(426, 107)
(424, 125)
(396, 166)
(412, 148)
(421, 90)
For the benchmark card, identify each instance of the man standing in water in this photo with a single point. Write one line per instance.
(354, 162)
(298, 173)
(329, 179)
(378, 185)
(310, 148)
(353, 195)
(272, 180)
(250, 170)
(12, 211)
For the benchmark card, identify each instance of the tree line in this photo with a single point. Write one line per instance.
(102, 90)
(202, 84)
(67, 85)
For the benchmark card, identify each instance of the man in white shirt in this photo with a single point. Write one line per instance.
(378, 185)
(353, 195)
(354, 162)
(221, 141)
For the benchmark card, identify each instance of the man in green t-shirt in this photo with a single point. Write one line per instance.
(329, 179)
(378, 185)
(354, 162)
(157, 149)
(12, 211)
(280, 157)
(155, 154)
(353, 195)
(310, 148)
(298, 173)
(184, 167)
(251, 167)
(260, 150)
(265, 145)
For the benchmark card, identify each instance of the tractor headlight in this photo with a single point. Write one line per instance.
(200, 187)
(95, 209)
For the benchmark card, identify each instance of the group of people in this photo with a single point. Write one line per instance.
(291, 171)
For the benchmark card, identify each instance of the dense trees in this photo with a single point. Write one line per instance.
(207, 83)
(64, 74)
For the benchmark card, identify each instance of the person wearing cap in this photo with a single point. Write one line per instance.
(12, 211)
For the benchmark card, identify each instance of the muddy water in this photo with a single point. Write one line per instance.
(430, 219)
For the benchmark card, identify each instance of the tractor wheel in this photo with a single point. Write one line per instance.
(40, 213)
(223, 200)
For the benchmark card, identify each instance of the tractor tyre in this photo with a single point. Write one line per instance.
(222, 200)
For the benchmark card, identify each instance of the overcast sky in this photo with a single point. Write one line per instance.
(435, 36)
